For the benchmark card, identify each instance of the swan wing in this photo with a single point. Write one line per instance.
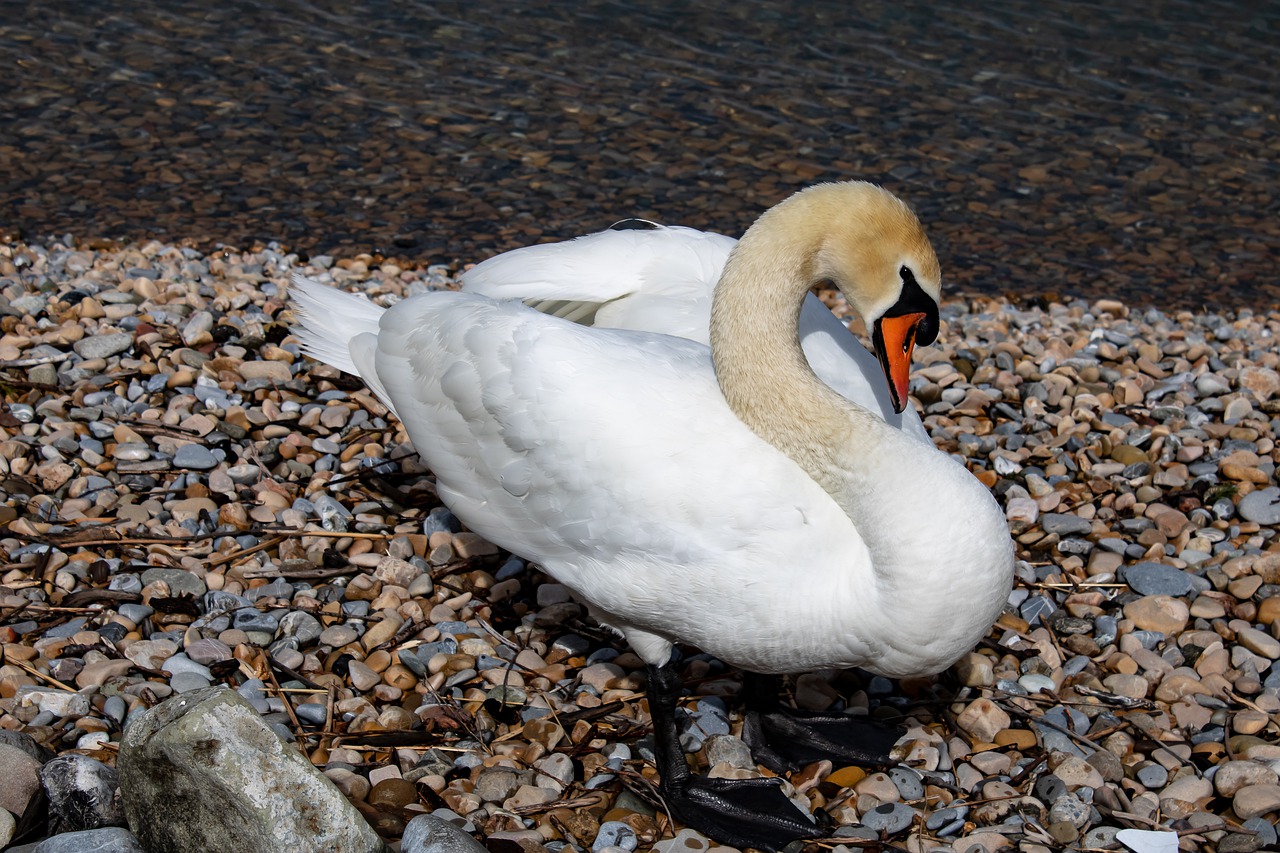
(610, 458)
(656, 280)
(662, 280)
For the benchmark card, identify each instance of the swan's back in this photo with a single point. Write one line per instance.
(662, 279)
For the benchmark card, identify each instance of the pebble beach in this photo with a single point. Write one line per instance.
(234, 614)
(188, 503)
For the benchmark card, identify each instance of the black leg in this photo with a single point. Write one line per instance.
(739, 812)
(785, 739)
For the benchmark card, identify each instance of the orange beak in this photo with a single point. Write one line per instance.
(894, 339)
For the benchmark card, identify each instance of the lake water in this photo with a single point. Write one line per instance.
(1054, 147)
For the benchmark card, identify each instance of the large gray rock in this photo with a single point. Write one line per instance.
(202, 771)
(83, 793)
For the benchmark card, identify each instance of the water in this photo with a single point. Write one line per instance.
(1051, 147)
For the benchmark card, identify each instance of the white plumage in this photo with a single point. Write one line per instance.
(611, 457)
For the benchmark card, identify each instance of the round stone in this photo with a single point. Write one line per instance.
(889, 818)
(1262, 506)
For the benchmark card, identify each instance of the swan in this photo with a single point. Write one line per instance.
(655, 278)
(720, 496)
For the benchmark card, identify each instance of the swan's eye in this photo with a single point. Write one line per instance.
(905, 273)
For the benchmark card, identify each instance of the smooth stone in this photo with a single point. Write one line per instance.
(1259, 642)
(1160, 613)
(1070, 809)
(83, 792)
(109, 840)
(179, 581)
(1160, 579)
(1065, 524)
(207, 650)
(910, 785)
(982, 719)
(614, 833)
(103, 346)
(185, 682)
(1256, 800)
(195, 456)
(431, 834)
(21, 775)
(1190, 789)
(1262, 506)
(1231, 776)
(202, 771)
(889, 818)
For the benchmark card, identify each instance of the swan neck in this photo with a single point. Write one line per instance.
(759, 362)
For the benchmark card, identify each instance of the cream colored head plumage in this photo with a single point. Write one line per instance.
(868, 244)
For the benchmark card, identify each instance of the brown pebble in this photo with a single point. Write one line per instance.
(393, 792)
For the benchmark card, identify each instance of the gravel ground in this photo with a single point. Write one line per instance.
(188, 502)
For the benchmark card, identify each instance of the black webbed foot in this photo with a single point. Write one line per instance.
(739, 812)
(784, 739)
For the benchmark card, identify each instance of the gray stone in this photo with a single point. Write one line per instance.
(910, 785)
(496, 784)
(430, 834)
(179, 581)
(302, 626)
(728, 749)
(1266, 831)
(7, 827)
(21, 775)
(195, 456)
(185, 682)
(26, 743)
(109, 840)
(102, 346)
(889, 818)
(1262, 506)
(202, 771)
(614, 833)
(1070, 809)
(83, 793)
(1160, 579)
(1065, 524)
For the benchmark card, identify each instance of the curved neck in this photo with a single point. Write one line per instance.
(761, 367)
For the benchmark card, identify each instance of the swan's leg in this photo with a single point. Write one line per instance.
(785, 739)
(739, 812)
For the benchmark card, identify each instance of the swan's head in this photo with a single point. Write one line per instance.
(874, 250)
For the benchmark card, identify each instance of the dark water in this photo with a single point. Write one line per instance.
(1051, 147)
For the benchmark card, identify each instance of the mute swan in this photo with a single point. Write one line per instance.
(722, 497)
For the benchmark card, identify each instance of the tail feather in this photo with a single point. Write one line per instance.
(329, 319)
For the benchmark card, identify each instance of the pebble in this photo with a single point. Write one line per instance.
(1262, 506)
(1256, 800)
(195, 456)
(1160, 579)
(889, 818)
(432, 834)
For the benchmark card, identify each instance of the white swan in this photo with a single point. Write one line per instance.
(655, 278)
(722, 497)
